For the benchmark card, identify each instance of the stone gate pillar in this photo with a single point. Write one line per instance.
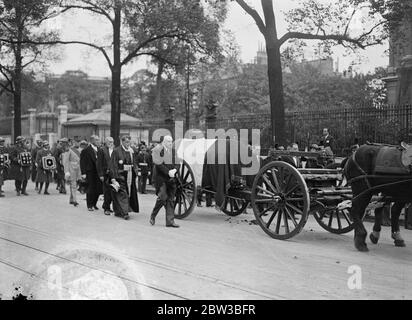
(62, 118)
(32, 122)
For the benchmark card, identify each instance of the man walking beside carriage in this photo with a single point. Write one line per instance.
(164, 179)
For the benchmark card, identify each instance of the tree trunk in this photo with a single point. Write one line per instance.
(277, 105)
(158, 99)
(116, 79)
(17, 76)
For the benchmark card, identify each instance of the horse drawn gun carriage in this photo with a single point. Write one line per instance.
(281, 193)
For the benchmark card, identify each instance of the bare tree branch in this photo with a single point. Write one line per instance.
(3, 71)
(336, 37)
(254, 14)
(350, 20)
(32, 60)
(371, 30)
(90, 7)
(134, 53)
(54, 42)
(5, 88)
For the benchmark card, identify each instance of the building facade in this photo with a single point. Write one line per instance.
(98, 123)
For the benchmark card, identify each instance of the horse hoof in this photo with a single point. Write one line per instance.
(361, 246)
(400, 243)
(373, 239)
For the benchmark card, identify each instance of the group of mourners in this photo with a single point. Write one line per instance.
(95, 169)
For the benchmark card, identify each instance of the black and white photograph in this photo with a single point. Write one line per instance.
(215, 152)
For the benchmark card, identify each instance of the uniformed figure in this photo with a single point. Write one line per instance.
(4, 164)
(123, 172)
(144, 160)
(164, 178)
(21, 162)
(38, 145)
(327, 142)
(57, 153)
(44, 173)
(71, 165)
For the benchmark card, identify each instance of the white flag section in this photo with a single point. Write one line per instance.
(129, 168)
(193, 151)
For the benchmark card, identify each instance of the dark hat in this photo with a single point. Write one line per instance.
(83, 185)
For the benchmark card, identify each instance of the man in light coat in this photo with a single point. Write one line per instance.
(71, 165)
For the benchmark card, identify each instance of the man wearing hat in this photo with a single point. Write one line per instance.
(57, 153)
(104, 161)
(88, 168)
(44, 174)
(21, 162)
(38, 145)
(71, 165)
(3, 164)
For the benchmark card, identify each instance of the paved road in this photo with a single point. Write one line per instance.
(51, 250)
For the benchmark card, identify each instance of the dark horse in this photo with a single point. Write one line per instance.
(379, 169)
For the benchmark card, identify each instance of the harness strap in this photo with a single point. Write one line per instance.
(361, 170)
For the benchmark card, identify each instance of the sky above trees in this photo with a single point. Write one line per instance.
(247, 35)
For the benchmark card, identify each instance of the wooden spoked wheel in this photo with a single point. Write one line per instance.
(333, 219)
(186, 192)
(234, 206)
(280, 200)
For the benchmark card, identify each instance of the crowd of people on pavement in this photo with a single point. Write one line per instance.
(93, 168)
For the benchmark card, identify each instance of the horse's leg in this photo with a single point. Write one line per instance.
(396, 233)
(357, 212)
(377, 227)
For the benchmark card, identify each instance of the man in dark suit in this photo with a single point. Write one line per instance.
(21, 161)
(165, 169)
(4, 164)
(88, 167)
(104, 161)
(38, 145)
(144, 160)
(327, 142)
(123, 172)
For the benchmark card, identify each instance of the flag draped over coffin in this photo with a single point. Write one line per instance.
(193, 151)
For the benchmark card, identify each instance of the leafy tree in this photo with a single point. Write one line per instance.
(78, 91)
(20, 20)
(137, 26)
(34, 95)
(330, 23)
(394, 12)
(177, 57)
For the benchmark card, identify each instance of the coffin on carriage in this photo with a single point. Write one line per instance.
(281, 195)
